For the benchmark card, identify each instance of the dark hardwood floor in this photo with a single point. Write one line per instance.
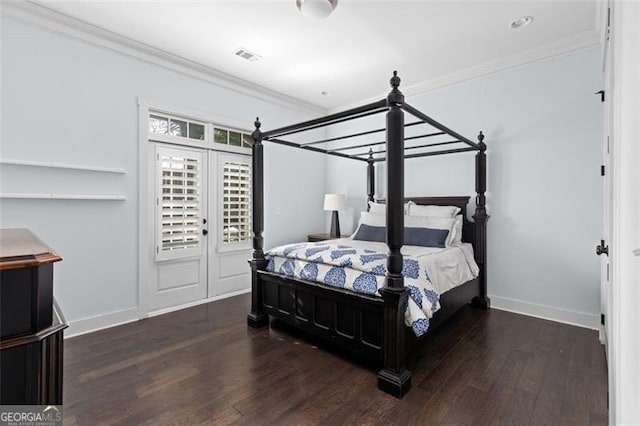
(203, 365)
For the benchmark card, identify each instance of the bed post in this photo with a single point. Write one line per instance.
(394, 378)
(256, 317)
(480, 217)
(371, 179)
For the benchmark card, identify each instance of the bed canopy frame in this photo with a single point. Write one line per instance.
(393, 378)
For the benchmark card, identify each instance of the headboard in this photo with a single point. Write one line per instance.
(468, 227)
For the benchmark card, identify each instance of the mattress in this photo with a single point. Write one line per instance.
(360, 266)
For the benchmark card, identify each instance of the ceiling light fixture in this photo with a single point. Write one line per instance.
(316, 9)
(521, 22)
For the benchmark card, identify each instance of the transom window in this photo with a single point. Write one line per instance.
(174, 129)
(164, 125)
(229, 137)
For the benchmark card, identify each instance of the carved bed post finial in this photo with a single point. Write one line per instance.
(256, 317)
(394, 378)
(481, 217)
(395, 82)
(371, 181)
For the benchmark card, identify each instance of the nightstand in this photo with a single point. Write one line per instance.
(320, 237)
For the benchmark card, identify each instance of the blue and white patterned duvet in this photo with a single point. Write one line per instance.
(344, 265)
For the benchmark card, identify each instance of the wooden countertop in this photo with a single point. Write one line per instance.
(20, 248)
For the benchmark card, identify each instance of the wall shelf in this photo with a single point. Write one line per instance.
(63, 197)
(62, 166)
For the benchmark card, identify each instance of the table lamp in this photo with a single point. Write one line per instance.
(333, 203)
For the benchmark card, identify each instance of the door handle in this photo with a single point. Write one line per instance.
(602, 249)
(205, 232)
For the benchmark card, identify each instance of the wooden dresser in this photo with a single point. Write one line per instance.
(31, 324)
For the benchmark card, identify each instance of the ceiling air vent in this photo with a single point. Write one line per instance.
(245, 54)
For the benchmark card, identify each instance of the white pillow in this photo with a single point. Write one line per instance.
(433, 211)
(407, 207)
(457, 230)
(379, 208)
(373, 219)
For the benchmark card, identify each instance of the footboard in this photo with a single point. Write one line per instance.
(351, 320)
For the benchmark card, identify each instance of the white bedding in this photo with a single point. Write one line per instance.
(448, 267)
(361, 266)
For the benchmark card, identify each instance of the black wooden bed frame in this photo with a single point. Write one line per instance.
(369, 326)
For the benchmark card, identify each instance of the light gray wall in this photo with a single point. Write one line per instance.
(67, 101)
(70, 102)
(543, 129)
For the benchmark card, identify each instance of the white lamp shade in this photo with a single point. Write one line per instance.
(334, 202)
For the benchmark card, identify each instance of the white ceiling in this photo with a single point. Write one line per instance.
(352, 53)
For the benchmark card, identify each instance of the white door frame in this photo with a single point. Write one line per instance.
(624, 324)
(146, 191)
(146, 227)
(605, 232)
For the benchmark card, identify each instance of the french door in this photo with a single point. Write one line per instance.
(180, 227)
(202, 225)
(230, 208)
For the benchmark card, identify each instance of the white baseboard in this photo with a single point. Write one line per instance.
(580, 319)
(198, 302)
(100, 322)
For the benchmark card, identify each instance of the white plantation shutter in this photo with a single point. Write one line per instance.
(179, 203)
(236, 199)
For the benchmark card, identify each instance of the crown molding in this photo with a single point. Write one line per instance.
(566, 46)
(39, 16)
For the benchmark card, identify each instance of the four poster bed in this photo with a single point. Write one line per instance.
(372, 325)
